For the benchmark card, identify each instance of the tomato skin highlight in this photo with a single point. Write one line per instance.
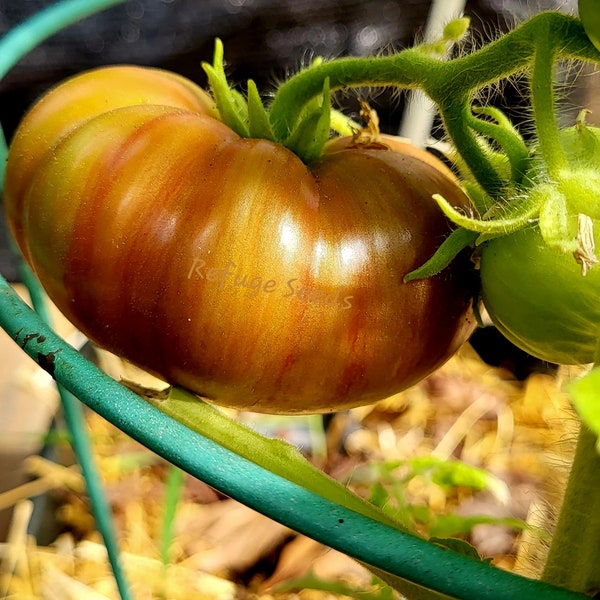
(228, 267)
(539, 299)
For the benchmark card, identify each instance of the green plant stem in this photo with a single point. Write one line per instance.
(574, 558)
(405, 69)
(450, 84)
(542, 102)
(456, 115)
(173, 489)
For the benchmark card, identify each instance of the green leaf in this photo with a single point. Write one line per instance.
(173, 490)
(310, 581)
(379, 495)
(585, 393)
(457, 241)
(448, 526)
(407, 588)
(454, 473)
(275, 455)
(461, 547)
(230, 104)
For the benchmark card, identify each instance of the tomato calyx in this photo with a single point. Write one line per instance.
(249, 118)
(564, 206)
(315, 118)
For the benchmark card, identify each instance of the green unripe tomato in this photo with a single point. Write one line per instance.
(589, 13)
(539, 299)
(536, 294)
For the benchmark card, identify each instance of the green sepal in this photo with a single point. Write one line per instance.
(258, 119)
(503, 218)
(558, 229)
(342, 124)
(457, 241)
(506, 136)
(230, 104)
(312, 132)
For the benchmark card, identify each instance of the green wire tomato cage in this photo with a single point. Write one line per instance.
(404, 561)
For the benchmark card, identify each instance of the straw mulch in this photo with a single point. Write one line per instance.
(520, 431)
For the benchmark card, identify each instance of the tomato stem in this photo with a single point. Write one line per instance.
(456, 114)
(575, 551)
(451, 83)
(542, 102)
(505, 134)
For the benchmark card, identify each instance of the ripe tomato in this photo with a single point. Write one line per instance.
(226, 265)
(80, 98)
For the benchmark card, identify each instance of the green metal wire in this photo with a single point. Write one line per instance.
(26, 36)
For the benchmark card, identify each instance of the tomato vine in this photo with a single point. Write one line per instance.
(299, 117)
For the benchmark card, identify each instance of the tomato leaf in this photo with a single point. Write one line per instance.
(310, 581)
(275, 455)
(460, 547)
(408, 589)
(457, 241)
(450, 525)
(453, 473)
(585, 393)
(231, 106)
